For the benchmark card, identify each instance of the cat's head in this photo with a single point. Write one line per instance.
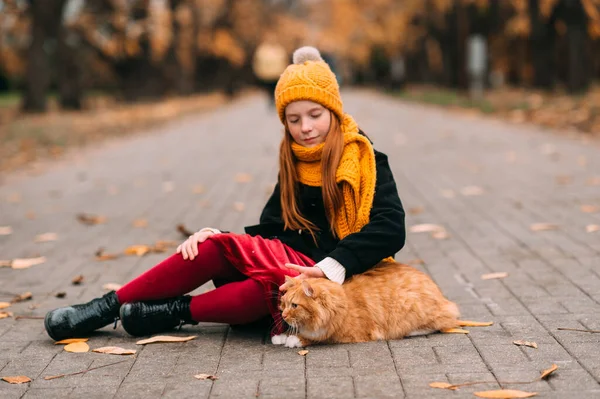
(312, 305)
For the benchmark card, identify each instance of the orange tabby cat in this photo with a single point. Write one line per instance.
(389, 301)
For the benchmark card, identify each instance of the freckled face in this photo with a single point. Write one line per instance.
(308, 122)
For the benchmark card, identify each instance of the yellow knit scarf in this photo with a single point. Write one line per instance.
(356, 173)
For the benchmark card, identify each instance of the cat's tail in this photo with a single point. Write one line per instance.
(449, 317)
(452, 309)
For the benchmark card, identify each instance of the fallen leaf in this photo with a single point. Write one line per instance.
(198, 189)
(77, 280)
(91, 219)
(30, 215)
(5, 230)
(239, 206)
(20, 379)
(592, 228)
(549, 371)
(111, 286)
(303, 352)
(4, 305)
(442, 385)
(14, 198)
(590, 208)
(70, 341)
(469, 323)
(33, 306)
(138, 250)
(243, 178)
(53, 377)
(454, 331)
(525, 343)
(77, 347)
(206, 377)
(505, 394)
(22, 297)
(165, 338)
(4, 315)
(440, 235)
(140, 223)
(101, 256)
(593, 181)
(491, 276)
(22, 263)
(46, 237)
(60, 294)
(470, 191)
(543, 226)
(425, 228)
(416, 210)
(114, 350)
(184, 231)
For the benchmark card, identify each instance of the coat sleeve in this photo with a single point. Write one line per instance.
(271, 213)
(385, 233)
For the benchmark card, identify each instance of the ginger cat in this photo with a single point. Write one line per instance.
(389, 301)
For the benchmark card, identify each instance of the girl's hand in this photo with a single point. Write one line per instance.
(305, 272)
(189, 248)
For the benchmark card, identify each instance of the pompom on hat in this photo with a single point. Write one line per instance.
(308, 78)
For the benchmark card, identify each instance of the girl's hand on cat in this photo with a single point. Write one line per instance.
(305, 272)
(189, 248)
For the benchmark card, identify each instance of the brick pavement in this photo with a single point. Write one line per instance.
(528, 176)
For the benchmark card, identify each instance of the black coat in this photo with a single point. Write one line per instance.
(383, 236)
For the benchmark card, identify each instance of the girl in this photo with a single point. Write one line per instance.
(334, 213)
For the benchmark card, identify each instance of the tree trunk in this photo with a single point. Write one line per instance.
(69, 71)
(578, 78)
(542, 46)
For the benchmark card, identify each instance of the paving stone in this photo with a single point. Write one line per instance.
(338, 387)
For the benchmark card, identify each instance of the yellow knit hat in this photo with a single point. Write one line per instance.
(308, 78)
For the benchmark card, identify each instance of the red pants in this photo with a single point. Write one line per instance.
(241, 300)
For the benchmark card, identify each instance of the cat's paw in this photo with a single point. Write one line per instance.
(279, 339)
(293, 341)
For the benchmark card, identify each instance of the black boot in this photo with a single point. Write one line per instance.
(80, 320)
(151, 317)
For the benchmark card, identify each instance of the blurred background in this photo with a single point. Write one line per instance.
(527, 60)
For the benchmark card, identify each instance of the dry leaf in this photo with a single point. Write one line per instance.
(77, 280)
(4, 305)
(416, 210)
(20, 379)
(454, 331)
(30, 215)
(593, 181)
(440, 235)
(53, 377)
(206, 377)
(442, 385)
(14, 198)
(239, 206)
(46, 237)
(303, 352)
(469, 323)
(543, 226)
(70, 341)
(101, 256)
(549, 371)
(111, 286)
(425, 228)
(505, 394)
(198, 189)
(4, 315)
(140, 223)
(590, 208)
(91, 219)
(22, 263)
(592, 228)
(138, 250)
(60, 294)
(165, 338)
(22, 297)
(526, 343)
(5, 230)
(183, 230)
(77, 347)
(114, 350)
(470, 191)
(243, 178)
(491, 276)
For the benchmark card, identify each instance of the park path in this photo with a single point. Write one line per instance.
(484, 181)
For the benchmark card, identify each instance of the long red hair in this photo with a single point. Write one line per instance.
(288, 179)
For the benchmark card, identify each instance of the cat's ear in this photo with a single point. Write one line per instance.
(289, 280)
(308, 290)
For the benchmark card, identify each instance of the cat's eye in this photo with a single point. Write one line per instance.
(294, 305)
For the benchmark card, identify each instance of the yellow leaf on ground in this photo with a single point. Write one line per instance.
(46, 237)
(442, 385)
(454, 331)
(5, 230)
(243, 178)
(549, 371)
(525, 343)
(77, 347)
(140, 223)
(22, 263)
(469, 323)
(416, 210)
(138, 250)
(543, 226)
(4, 315)
(303, 352)
(20, 379)
(22, 297)
(101, 256)
(440, 235)
(491, 276)
(77, 280)
(470, 191)
(111, 286)
(592, 228)
(114, 350)
(198, 189)
(4, 305)
(593, 181)
(505, 394)
(590, 208)
(206, 377)
(91, 219)
(70, 341)
(165, 338)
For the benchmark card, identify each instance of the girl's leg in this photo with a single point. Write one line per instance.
(175, 276)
